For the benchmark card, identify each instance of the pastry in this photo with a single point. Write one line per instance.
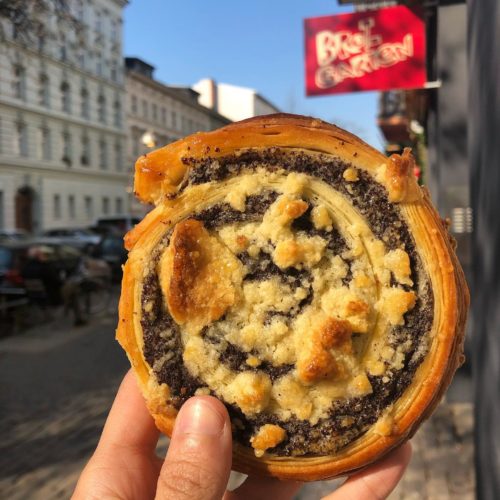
(302, 278)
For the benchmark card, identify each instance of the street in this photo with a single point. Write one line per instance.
(57, 384)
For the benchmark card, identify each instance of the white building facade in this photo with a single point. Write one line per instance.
(158, 114)
(234, 102)
(62, 123)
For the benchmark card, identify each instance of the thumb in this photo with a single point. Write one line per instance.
(198, 461)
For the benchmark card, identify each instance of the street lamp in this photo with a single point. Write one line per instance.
(148, 139)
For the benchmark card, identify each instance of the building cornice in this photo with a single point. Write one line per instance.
(134, 121)
(174, 94)
(47, 167)
(121, 3)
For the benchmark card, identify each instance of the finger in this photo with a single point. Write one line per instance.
(198, 461)
(260, 487)
(129, 424)
(376, 482)
(124, 464)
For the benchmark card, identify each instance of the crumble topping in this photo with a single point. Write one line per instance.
(321, 218)
(291, 313)
(350, 174)
(198, 276)
(268, 436)
(304, 320)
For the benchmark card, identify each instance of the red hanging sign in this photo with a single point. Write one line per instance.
(373, 50)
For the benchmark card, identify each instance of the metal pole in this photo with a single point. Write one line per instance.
(484, 157)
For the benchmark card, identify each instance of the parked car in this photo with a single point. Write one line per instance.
(112, 251)
(13, 235)
(122, 223)
(78, 238)
(106, 231)
(13, 255)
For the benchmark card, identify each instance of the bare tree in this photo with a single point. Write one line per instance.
(28, 17)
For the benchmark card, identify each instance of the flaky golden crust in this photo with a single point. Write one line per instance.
(159, 175)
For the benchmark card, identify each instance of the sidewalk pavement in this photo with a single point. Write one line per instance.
(58, 382)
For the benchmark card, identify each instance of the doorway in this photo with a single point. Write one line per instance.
(24, 208)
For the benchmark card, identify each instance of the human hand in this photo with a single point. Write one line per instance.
(198, 461)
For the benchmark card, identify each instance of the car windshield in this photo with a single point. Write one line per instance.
(5, 258)
(112, 245)
(83, 232)
(66, 252)
(118, 221)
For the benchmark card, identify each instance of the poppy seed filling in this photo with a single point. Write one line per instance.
(315, 429)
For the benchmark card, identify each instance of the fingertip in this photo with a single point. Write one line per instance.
(201, 415)
(129, 406)
(198, 460)
(406, 451)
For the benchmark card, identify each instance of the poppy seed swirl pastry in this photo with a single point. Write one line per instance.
(302, 278)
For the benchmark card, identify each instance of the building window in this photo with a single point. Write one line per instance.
(103, 154)
(81, 59)
(145, 108)
(98, 21)
(43, 143)
(19, 83)
(85, 111)
(57, 206)
(134, 104)
(155, 112)
(65, 97)
(89, 207)
(99, 64)
(114, 31)
(63, 51)
(164, 116)
(85, 159)
(117, 112)
(105, 69)
(21, 139)
(66, 148)
(47, 147)
(101, 108)
(174, 120)
(119, 74)
(41, 41)
(136, 141)
(118, 155)
(105, 205)
(113, 73)
(80, 11)
(119, 206)
(71, 206)
(44, 91)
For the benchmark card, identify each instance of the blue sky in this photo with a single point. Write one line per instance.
(256, 43)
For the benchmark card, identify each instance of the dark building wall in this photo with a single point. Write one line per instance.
(448, 175)
(452, 68)
(484, 158)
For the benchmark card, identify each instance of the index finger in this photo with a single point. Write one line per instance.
(377, 481)
(129, 423)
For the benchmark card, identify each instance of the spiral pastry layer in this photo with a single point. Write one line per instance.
(303, 279)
